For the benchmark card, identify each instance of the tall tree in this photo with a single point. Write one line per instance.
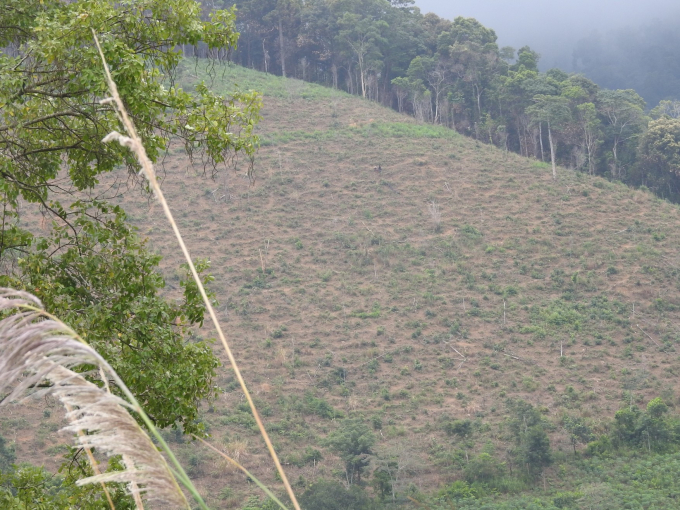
(623, 113)
(589, 125)
(363, 35)
(353, 441)
(555, 112)
(92, 269)
(660, 156)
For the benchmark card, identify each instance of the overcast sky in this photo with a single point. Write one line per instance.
(551, 27)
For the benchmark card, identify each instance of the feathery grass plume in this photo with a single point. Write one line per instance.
(134, 143)
(36, 347)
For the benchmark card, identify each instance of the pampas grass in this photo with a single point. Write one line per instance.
(36, 348)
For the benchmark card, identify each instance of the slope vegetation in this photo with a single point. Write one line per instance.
(456, 279)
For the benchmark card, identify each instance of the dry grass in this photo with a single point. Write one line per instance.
(341, 238)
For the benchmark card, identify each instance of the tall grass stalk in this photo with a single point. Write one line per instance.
(36, 346)
(134, 143)
(236, 464)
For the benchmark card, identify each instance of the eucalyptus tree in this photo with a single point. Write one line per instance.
(363, 37)
(555, 112)
(623, 114)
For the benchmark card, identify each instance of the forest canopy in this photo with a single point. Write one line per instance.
(454, 73)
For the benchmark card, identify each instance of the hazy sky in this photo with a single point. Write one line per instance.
(551, 27)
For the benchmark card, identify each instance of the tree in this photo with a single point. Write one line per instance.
(353, 442)
(285, 14)
(650, 429)
(526, 58)
(34, 487)
(659, 160)
(484, 467)
(400, 86)
(474, 56)
(393, 465)
(666, 109)
(623, 112)
(7, 455)
(529, 431)
(589, 125)
(364, 36)
(554, 111)
(579, 431)
(92, 269)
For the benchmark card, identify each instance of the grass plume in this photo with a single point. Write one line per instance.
(37, 354)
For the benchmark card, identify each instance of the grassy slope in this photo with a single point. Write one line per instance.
(364, 305)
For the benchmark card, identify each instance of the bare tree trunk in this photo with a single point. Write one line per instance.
(615, 150)
(552, 152)
(265, 57)
(478, 93)
(540, 134)
(361, 73)
(281, 49)
(334, 72)
(519, 137)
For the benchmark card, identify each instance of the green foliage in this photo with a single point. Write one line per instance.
(331, 495)
(453, 74)
(373, 314)
(461, 428)
(34, 487)
(108, 286)
(660, 155)
(319, 407)
(309, 456)
(7, 455)
(484, 468)
(529, 431)
(459, 490)
(353, 441)
(651, 429)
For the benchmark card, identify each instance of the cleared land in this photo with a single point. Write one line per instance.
(456, 278)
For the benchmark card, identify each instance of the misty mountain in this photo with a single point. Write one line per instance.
(646, 59)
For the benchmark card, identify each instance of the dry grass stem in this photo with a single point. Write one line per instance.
(240, 467)
(134, 143)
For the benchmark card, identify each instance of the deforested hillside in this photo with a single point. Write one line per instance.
(442, 296)
(406, 275)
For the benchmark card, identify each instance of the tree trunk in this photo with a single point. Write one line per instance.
(478, 93)
(616, 160)
(334, 72)
(265, 57)
(281, 50)
(540, 134)
(361, 73)
(552, 152)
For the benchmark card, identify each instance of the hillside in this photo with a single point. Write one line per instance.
(456, 278)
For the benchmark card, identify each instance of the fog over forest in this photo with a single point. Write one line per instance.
(553, 28)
